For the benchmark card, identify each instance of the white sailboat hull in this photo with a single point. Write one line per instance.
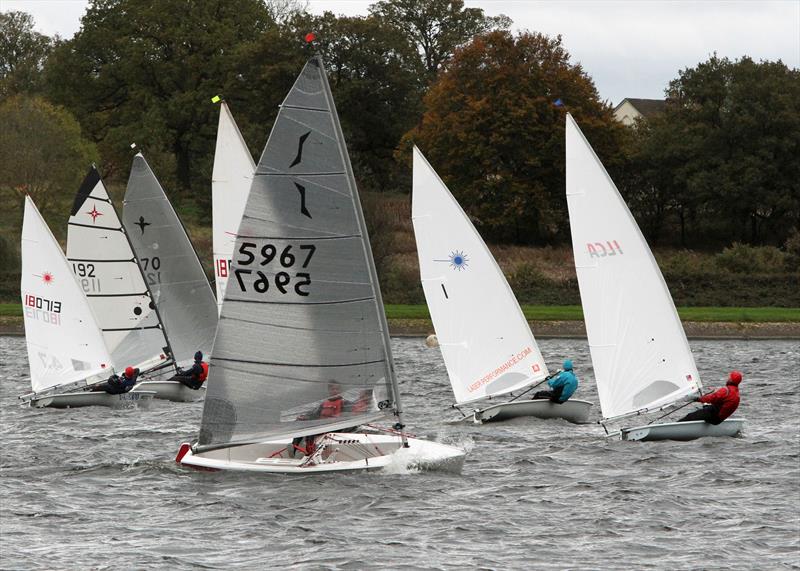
(575, 411)
(341, 452)
(172, 391)
(682, 430)
(130, 399)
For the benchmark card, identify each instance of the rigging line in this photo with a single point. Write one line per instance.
(305, 108)
(95, 227)
(311, 365)
(133, 328)
(229, 300)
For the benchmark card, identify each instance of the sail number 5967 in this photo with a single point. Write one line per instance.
(287, 258)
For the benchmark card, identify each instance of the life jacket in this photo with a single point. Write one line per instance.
(725, 399)
(204, 374)
(331, 407)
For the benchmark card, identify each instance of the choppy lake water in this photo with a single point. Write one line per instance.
(95, 488)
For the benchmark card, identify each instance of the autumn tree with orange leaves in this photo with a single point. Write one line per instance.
(493, 128)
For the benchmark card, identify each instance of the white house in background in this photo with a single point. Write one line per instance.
(629, 109)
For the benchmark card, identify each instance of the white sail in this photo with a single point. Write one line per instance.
(103, 261)
(640, 354)
(486, 342)
(230, 185)
(64, 341)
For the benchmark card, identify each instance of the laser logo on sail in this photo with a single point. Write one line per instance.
(603, 249)
(94, 214)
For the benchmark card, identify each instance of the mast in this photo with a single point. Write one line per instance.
(398, 408)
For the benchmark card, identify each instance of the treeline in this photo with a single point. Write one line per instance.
(486, 107)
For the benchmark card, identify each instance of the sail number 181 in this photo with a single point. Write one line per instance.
(283, 281)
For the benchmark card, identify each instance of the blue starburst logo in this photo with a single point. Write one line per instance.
(458, 260)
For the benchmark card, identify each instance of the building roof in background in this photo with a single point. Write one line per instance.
(647, 107)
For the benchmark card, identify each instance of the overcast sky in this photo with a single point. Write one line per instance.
(630, 48)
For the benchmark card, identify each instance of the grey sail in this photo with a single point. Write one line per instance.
(302, 308)
(104, 263)
(170, 264)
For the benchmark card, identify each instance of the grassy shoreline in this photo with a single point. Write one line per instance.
(575, 313)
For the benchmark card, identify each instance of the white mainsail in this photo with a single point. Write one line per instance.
(63, 339)
(180, 288)
(230, 185)
(640, 354)
(487, 345)
(104, 264)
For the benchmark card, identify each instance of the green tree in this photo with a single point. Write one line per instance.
(142, 71)
(725, 152)
(436, 27)
(22, 54)
(493, 130)
(42, 154)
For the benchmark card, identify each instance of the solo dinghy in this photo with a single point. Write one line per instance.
(66, 349)
(486, 342)
(102, 258)
(302, 349)
(641, 357)
(174, 274)
(230, 185)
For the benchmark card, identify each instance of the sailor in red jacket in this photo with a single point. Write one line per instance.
(720, 404)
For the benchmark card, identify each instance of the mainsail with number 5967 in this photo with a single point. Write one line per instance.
(302, 317)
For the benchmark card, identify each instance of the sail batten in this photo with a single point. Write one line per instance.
(488, 347)
(640, 354)
(300, 262)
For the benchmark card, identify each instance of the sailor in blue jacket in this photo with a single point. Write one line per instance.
(562, 385)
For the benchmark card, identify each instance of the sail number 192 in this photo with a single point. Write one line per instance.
(290, 257)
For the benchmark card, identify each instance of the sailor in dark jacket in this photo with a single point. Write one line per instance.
(195, 376)
(117, 385)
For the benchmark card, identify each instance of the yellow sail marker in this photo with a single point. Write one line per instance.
(216, 99)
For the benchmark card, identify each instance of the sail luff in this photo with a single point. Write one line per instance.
(367, 249)
(640, 353)
(487, 345)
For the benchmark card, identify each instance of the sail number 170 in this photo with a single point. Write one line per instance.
(283, 280)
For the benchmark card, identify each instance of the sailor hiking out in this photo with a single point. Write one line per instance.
(720, 404)
(562, 385)
(196, 375)
(117, 385)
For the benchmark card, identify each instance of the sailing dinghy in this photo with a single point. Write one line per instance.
(641, 357)
(486, 342)
(230, 185)
(66, 349)
(174, 274)
(303, 318)
(102, 258)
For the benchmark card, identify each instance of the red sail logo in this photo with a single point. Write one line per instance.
(603, 249)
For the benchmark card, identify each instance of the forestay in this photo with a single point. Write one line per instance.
(102, 260)
(486, 342)
(230, 185)
(170, 264)
(303, 306)
(640, 354)
(63, 339)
